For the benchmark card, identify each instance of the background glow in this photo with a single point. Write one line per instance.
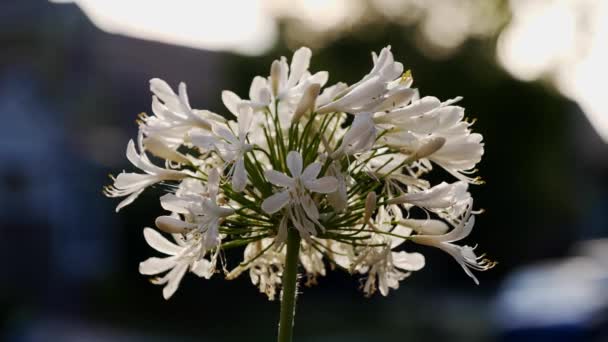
(240, 26)
(566, 42)
(563, 41)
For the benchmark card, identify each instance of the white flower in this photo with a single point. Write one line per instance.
(448, 200)
(285, 80)
(359, 138)
(288, 84)
(464, 255)
(389, 268)
(329, 94)
(173, 117)
(202, 212)
(160, 149)
(414, 126)
(339, 198)
(259, 97)
(265, 270)
(312, 261)
(182, 257)
(303, 211)
(385, 267)
(232, 147)
(370, 91)
(133, 184)
(337, 172)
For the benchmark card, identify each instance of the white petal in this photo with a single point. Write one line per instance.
(408, 261)
(257, 89)
(310, 208)
(225, 133)
(153, 266)
(399, 97)
(160, 243)
(203, 140)
(134, 157)
(294, 163)
(360, 136)
(382, 284)
(231, 101)
(324, 185)
(212, 235)
(282, 232)
(161, 89)
(175, 204)
(244, 120)
(171, 225)
(461, 231)
(175, 277)
(311, 172)
(134, 181)
(160, 149)
(275, 202)
(128, 200)
(319, 78)
(183, 96)
(239, 177)
(278, 178)
(299, 63)
(203, 268)
(213, 183)
(264, 97)
(419, 107)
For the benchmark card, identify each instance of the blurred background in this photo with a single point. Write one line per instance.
(74, 75)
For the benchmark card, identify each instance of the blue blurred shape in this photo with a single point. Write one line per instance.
(563, 300)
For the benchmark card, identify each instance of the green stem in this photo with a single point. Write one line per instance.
(290, 280)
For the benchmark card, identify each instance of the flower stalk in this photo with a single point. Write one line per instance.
(290, 287)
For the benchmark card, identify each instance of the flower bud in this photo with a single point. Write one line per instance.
(426, 227)
(172, 225)
(307, 102)
(275, 75)
(370, 206)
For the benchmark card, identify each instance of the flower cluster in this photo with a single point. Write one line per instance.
(342, 166)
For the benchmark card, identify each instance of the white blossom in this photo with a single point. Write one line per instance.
(427, 120)
(173, 117)
(385, 268)
(340, 172)
(132, 184)
(364, 95)
(265, 270)
(182, 257)
(202, 212)
(302, 210)
(232, 147)
(464, 255)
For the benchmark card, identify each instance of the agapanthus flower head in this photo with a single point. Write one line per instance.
(343, 166)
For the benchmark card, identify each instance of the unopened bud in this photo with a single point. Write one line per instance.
(160, 149)
(426, 227)
(370, 206)
(275, 75)
(172, 225)
(307, 102)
